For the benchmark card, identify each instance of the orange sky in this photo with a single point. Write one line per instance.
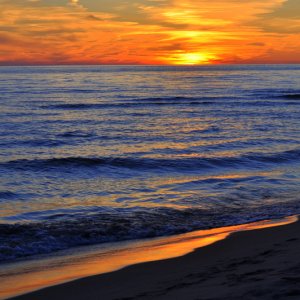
(149, 31)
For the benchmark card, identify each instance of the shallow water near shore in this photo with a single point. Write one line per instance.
(98, 154)
(27, 276)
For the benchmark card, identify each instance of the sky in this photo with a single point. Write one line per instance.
(176, 32)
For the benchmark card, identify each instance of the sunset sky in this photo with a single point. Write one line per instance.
(149, 31)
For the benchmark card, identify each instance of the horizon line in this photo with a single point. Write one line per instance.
(145, 65)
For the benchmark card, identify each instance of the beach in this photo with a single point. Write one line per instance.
(254, 264)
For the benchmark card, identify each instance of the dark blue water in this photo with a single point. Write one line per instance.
(98, 154)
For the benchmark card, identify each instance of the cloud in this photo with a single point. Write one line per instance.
(285, 19)
(148, 31)
(288, 10)
(257, 44)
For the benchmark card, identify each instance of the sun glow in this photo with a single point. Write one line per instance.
(195, 58)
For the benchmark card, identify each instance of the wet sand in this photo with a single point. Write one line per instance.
(257, 264)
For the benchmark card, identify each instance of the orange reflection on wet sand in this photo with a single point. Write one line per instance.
(20, 278)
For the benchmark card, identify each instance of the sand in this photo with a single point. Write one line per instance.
(258, 264)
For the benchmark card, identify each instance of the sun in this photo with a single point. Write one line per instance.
(191, 58)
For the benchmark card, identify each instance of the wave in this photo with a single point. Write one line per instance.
(76, 134)
(290, 96)
(7, 195)
(33, 143)
(63, 231)
(158, 101)
(277, 94)
(195, 163)
(85, 106)
(205, 101)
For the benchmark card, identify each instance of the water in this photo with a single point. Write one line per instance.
(95, 154)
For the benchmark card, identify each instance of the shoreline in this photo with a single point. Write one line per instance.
(171, 251)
